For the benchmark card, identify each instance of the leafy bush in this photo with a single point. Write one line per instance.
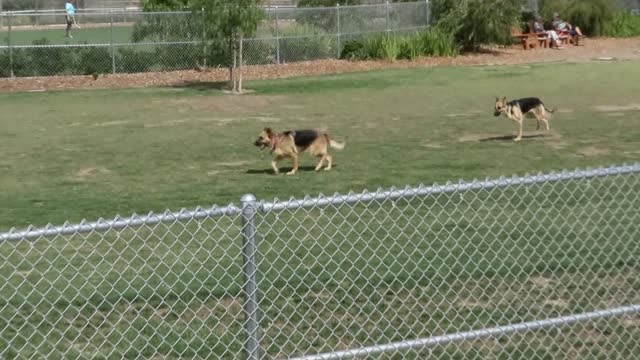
(354, 50)
(93, 60)
(476, 22)
(131, 60)
(432, 42)
(591, 16)
(49, 60)
(623, 24)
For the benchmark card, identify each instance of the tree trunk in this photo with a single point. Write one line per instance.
(240, 38)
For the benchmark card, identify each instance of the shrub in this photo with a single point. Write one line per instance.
(49, 60)
(354, 50)
(93, 60)
(476, 22)
(623, 24)
(435, 42)
(591, 16)
(432, 42)
(131, 60)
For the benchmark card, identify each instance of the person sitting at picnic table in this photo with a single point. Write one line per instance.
(538, 27)
(564, 27)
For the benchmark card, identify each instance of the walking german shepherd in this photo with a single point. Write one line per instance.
(291, 143)
(516, 110)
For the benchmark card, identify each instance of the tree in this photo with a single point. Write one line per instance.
(230, 22)
(220, 24)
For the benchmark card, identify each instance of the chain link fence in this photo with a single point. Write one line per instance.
(34, 44)
(533, 267)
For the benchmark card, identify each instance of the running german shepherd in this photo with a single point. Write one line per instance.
(516, 110)
(292, 143)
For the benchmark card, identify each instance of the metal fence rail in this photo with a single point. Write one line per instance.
(535, 266)
(128, 41)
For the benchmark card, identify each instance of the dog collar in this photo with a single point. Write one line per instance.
(274, 142)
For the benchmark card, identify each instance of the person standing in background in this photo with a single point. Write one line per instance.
(70, 17)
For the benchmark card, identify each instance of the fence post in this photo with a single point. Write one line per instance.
(113, 50)
(386, 6)
(204, 39)
(428, 11)
(338, 28)
(277, 39)
(10, 46)
(249, 270)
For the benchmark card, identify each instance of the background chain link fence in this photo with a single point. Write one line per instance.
(116, 41)
(533, 267)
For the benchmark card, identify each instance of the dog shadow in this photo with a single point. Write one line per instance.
(284, 170)
(202, 85)
(510, 137)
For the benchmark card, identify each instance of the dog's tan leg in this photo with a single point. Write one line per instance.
(519, 137)
(329, 162)
(546, 123)
(321, 162)
(294, 160)
(274, 164)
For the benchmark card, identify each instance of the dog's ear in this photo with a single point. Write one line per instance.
(268, 130)
(504, 99)
(497, 99)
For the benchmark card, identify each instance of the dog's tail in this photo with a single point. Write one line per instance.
(336, 145)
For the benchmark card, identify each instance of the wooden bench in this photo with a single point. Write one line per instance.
(531, 39)
(526, 40)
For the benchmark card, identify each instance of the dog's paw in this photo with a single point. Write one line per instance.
(291, 173)
(327, 169)
(517, 139)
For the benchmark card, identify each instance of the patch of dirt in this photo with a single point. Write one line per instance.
(90, 173)
(228, 104)
(542, 282)
(591, 151)
(617, 108)
(233, 163)
(592, 49)
(111, 123)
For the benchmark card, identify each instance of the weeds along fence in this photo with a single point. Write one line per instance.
(526, 267)
(129, 42)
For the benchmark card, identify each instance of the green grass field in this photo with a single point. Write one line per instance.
(121, 35)
(87, 154)
(336, 278)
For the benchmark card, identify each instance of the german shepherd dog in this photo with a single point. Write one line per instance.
(294, 142)
(516, 110)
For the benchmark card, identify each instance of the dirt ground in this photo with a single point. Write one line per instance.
(590, 50)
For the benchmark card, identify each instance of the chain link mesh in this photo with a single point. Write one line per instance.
(129, 42)
(440, 266)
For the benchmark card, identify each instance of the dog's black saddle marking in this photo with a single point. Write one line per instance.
(526, 104)
(303, 138)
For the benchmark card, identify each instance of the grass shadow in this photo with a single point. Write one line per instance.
(510, 137)
(202, 85)
(284, 170)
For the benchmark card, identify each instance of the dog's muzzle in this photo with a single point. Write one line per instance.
(259, 144)
(496, 113)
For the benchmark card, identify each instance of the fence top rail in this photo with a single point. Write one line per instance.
(118, 223)
(33, 233)
(461, 186)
